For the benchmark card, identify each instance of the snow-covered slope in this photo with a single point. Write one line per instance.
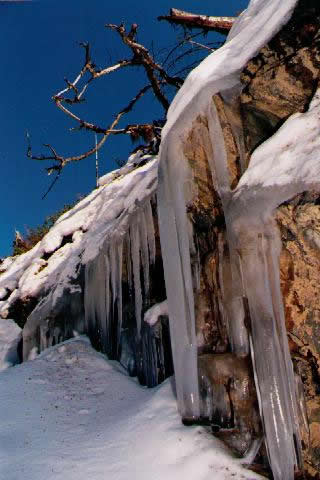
(103, 215)
(72, 415)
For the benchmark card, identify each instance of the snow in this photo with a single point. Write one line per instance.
(103, 215)
(10, 335)
(71, 414)
(152, 315)
(286, 164)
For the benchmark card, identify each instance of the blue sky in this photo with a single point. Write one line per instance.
(39, 48)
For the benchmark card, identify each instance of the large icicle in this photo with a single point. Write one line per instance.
(175, 248)
(135, 256)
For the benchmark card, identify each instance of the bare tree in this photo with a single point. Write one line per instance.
(159, 79)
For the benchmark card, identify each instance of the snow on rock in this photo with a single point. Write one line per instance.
(10, 336)
(152, 315)
(71, 414)
(284, 165)
(79, 234)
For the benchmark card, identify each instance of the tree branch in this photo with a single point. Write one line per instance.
(62, 161)
(191, 20)
(144, 58)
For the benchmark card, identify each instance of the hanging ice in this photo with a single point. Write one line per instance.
(103, 283)
(280, 168)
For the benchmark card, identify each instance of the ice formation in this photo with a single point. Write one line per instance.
(103, 277)
(113, 221)
(285, 165)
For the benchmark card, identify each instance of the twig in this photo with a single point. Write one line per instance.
(62, 161)
(52, 184)
(143, 57)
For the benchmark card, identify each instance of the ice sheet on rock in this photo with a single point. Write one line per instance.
(103, 214)
(10, 336)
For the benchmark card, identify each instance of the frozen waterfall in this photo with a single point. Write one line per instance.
(279, 169)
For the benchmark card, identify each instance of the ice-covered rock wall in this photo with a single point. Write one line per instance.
(242, 248)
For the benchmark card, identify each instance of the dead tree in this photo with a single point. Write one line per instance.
(158, 81)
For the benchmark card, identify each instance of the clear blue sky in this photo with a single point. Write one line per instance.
(38, 50)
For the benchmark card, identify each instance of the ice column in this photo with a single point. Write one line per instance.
(175, 246)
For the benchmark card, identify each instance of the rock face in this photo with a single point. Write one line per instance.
(283, 77)
(299, 223)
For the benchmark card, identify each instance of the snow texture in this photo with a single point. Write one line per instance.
(152, 315)
(280, 168)
(10, 336)
(77, 237)
(71, 414)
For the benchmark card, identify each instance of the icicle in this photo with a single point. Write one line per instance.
(253, 451)
(89, 296)
(150, 231)
(113, 273)
(177, 268)
(119, 289)
(128, 259)
(135, 256)
(232, 109)
(269, 358)
(100, 296)
(108, 297)
(303, 423)
(143, 233)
